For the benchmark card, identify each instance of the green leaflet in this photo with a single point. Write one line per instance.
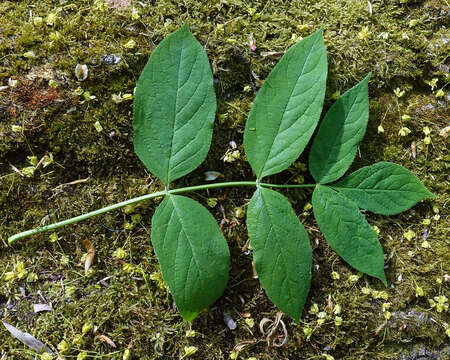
(192, 252)
(340, 132)
(174, 107)
(383, 188)
(348, 232)
(281, 250)
(287, 107)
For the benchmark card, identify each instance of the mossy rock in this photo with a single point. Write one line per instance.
(48, 112)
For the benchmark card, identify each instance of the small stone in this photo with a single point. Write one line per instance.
(110, 59)
(228, 320)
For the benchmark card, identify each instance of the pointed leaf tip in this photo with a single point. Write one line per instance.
(192, 253)
(287, 108)
(340, 132)
(174, 107)
(281, 250)
(383, 188)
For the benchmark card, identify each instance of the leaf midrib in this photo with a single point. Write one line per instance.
(175, 112)
(272, 226)
(331, 147)
(171, 197)
(285, 107)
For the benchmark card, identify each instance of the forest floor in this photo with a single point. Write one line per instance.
(82, 132)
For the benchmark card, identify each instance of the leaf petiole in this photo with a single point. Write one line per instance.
(119, 205)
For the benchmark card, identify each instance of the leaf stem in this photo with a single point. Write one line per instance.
(119, 205)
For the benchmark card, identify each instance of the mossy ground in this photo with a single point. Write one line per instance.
(404, 44)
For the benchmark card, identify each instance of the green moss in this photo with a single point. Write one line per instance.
(131, 306)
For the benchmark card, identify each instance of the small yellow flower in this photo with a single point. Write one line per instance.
(399, 93)
(380, 129)
(425, 244)
(190, 333)
(406, 117)
(419, 291)
(426, 130)
(335, 275)
(63, 346)
(366, 290)
(426, 222)
(314, 309)
(190, 350)
(308, 332)
(82, 355)
(337, 309)
(37, 21)
(135, 14)
(413, 22)
(338, 321)
(387, 315)
(250, 322)
(404, 131)
(130, 44)
(432, 83)
(409, 235)
(363, 33)
(440, 93)
(120, 253)
(442, 303)
(53, 237)
(51, 19)
(46, 356)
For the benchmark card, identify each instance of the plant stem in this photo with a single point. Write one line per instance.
(119, 205)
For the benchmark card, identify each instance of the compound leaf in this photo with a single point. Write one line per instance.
(340, 132)
(192, 252)
(287, 107)
(383, 188)
(281, 250)
(174, 107)
(348, 232)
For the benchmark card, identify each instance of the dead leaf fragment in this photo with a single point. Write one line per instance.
(104, 338)
(90, 255)
(119, 4)
(28, 339)
(272, 53)
(42, 307)
(444, 132)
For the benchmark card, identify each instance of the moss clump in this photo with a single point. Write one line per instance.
(48, 112)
